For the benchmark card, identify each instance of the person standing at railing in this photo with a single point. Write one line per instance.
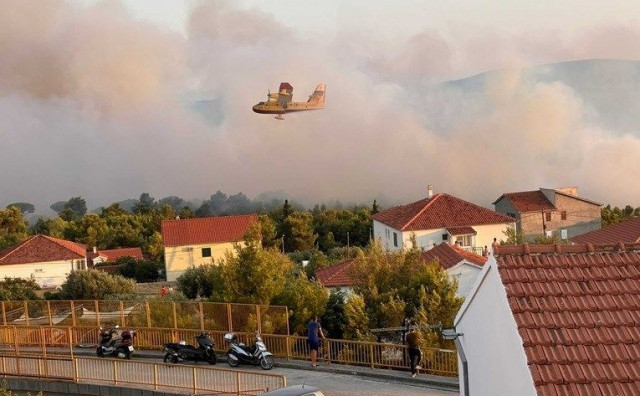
(413, 344)
(314, 332)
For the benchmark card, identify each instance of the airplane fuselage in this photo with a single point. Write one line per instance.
(278, 108)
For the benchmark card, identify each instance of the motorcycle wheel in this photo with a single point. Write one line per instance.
(266, 362)
(125, 351)
(169, 358)
(99, 351)
(213, 359)
(232, 362)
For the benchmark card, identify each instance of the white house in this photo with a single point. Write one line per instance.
(459, 264)
(46, 259)
(440, 218)
(552, 320)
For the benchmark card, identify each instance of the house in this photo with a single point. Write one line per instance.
(106, 259)
(194, 242)
(337, 276)
(439, 218)
(627, 231)
(551, 320)
(547, 212)
(459, 264)
(48, 260)
(112, 255)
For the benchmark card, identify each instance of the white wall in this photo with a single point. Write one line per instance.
(380, 232)
(466, 274)
(47, 274)
(496, 360)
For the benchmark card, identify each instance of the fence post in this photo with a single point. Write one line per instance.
(42, 342)
(73, 313)
(15, 339)
(229, 319)
(288, 346)
(76, 371)
(195, 382)
(122, 314)
(287, 313)
(259, 319)
(26, 311)
(70, 341)
(4, 314)
(175, 315)
(95, 304)
(237, 383)
(49, 312)
(155, 376)
(146, 307)
(115, 372)
(201, 308)
(371, 355)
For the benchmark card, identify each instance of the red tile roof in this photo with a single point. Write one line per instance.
(528, 201)
(449, 256)
(440, 211)
(42, 248)
(531, 201)
(461, 231)
(337, 275)
(206, 230)
(113, 255)
(627, 231)
(577, 311)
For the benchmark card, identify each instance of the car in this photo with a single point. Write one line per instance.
(295, 390)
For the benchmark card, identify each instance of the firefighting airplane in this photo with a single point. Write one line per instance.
(281, 102)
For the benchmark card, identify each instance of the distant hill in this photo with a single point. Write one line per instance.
(609, 89)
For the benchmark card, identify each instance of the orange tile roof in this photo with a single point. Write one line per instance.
(449, 256)
(576, 309)
(114, 254)
(627, 231)
(528, 201)
(439, 211)
(42, 248)
(206, 230)
(337, 275)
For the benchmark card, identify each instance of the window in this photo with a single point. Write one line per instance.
(510, 214)
(395, 239)
(563, 215)
(465, 240)
(206, 252)
(445, 237)
(547, 216)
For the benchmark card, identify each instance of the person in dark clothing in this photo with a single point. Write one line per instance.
(314, 332)
(415, 355)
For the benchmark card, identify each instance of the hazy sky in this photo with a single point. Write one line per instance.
(109, 99)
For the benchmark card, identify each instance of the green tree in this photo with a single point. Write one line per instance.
(24, 207)
(13, 228)
(155, 250)
(374, 208)
(268, 232)
(141, 271)
(77, 206)
(146, 203)
(334, 319)
(51, 227)
(304, 298)
(95, 285)
(301, 235)
(12, 289)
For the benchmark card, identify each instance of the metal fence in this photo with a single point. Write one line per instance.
(269, 319)
(196, 380)
(50, 339)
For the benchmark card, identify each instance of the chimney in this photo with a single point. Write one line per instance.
(429, 191)
(95, 250)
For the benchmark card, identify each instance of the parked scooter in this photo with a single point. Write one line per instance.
(175, 352)
(116, 342)
(254, 354)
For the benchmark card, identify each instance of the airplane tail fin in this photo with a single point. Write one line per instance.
(317, 97)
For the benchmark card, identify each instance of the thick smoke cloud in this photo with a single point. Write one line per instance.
(97, 104)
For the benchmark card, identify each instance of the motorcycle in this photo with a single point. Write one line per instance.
(114, 342)
(175, 352)
(253, 354)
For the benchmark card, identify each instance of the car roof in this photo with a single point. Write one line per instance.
(294, 390)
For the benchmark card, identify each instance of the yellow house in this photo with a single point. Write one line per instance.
(193, 242)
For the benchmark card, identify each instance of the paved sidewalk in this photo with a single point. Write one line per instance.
(387, 375)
